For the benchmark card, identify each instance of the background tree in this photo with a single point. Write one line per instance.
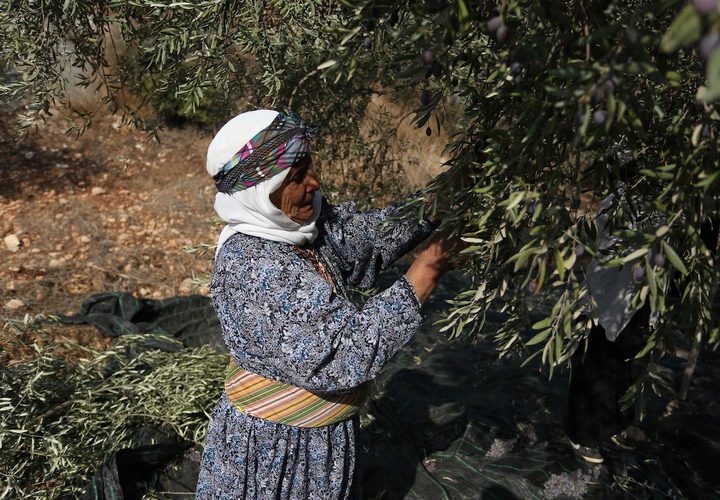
(560, 105)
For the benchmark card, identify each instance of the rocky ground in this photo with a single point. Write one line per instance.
(112, 210)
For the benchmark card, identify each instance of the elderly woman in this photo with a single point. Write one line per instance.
(301, 351)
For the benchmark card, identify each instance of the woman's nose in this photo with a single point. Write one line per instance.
(312, 183)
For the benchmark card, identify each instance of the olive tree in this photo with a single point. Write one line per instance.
(552, 106)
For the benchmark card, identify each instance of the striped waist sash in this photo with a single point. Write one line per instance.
(286, 404)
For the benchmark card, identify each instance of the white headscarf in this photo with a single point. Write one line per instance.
(250, 211)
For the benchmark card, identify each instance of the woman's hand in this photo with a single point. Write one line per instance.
(431, 264)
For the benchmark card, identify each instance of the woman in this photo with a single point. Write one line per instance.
(285, 426)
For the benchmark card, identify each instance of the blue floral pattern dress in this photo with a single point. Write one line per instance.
(281, 319)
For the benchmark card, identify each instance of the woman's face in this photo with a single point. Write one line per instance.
(295, 195)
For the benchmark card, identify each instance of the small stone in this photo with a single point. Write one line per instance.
(96, 191)
(204, 291)
(12, 242)
(29, 155)
(14, 304)
(84, 239)
(186, 285)
(55, 263)
(63, 201)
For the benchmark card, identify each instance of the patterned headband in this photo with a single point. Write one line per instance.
(271, 151)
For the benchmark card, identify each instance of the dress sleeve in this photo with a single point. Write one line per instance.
(368, 242)
(282, 320)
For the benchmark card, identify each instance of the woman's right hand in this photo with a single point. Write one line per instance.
(431, 264)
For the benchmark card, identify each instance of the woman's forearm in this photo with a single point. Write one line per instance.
(423, 278)
(429, 266)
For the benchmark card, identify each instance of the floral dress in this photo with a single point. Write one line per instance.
(283, 320)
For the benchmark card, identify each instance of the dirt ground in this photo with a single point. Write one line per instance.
(112, 210)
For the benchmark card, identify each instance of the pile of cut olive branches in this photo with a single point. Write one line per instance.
(60, 418)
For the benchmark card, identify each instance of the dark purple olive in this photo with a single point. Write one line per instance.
(705, 7)
(515, 68)
(367, 43)
(708, 45)
(494, 23)
(427, 56)
(436, 69)
(599, 116)
(533, 286)
(501, 33)
(611, 84)
(580, 117)
(659, 260)
(425, 97)
(531, 207)
(579, 249)
(639, 273)
(598, 94)
(428, 131)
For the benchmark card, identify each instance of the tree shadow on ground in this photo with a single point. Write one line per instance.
(29, 167)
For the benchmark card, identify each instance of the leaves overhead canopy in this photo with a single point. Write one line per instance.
(552, 106)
